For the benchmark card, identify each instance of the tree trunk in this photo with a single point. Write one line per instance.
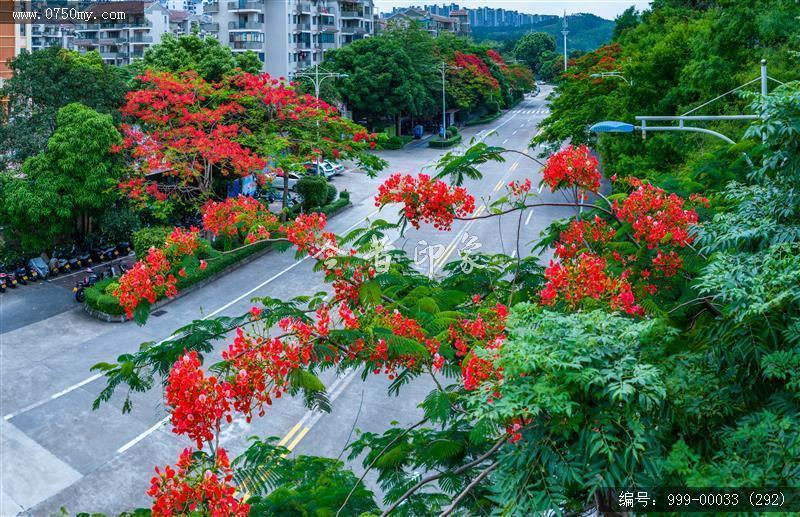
(399, 125)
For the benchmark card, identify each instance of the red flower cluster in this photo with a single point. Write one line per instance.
(486, 332)
(585, 276)
(240, 216)
(519, 188)
(581, 234)
(183, 242)
(477, 67)
(496, 58)
(573, 167)
(657, 218)
(148, 279)
(426, 200)
(668, 263)
(197, 402)
(189, 489)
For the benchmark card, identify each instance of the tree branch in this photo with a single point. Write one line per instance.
(468, 489)
(455, 472)
(375, 459)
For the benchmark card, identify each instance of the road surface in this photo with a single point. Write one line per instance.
(57, 452)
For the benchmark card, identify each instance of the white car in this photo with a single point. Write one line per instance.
(326, 168)
(277, 181)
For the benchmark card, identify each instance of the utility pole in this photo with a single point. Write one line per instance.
(444, 103)
(564, 31)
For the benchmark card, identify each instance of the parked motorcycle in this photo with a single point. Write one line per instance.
(124, 248)
(38, 265)
(81, 285)
(4, 281)
(10, 279)
(21, 272)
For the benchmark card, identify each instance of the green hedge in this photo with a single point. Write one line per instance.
(397, 142)
(97, 299)
(443, 144)
(146, 238)
(484, 120)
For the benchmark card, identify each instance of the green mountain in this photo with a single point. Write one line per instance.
(586, 31)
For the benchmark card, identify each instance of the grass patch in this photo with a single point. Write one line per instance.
(443, 144)
(484, 120)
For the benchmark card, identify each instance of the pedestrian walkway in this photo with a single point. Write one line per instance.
(537, 111)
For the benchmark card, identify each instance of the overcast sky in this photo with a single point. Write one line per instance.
(605, 8)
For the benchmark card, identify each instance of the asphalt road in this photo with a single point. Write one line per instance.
(56, 452)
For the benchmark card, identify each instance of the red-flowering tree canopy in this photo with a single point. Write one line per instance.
(398, 323)
(186, 137)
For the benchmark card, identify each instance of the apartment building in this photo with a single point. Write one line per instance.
(47, 35)
(13, 39)
(120, 42)
(289, 35)
(457, 22)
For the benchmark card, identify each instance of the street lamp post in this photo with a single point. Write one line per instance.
(317, 78)
(564, 31)
(443, 69)
(612, 74)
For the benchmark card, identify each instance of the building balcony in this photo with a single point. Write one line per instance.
(327, 27)
(246, 6)
(302, 27)
(233, 26)
(141, 40)
(210, 27)
(304, 8)
(85, 41)
(302, 46)
(111, 55)
(351, 14)
(211, 8)
(247, 45)
(135, 24)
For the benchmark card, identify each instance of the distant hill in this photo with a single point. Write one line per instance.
(586, 31)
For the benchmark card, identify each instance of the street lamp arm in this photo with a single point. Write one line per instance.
(689, 129)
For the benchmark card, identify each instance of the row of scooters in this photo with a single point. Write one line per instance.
(60, 261)
(91, 278)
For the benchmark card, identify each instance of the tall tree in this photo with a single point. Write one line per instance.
(42, 83)
(389, 76)
(530, 48)
(64, 186)
(629, 19)
(210, 59)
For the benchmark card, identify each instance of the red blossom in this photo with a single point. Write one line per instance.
(573, 167)
(426, 200)
(187, 489)
(657, 218)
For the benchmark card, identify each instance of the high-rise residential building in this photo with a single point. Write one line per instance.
(47, 35)
(120, 42)
(14, 37)
(289, 35)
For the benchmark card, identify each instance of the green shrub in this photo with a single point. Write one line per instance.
(146, 238)
(118, 223)
(111, 287)
(331, 194)
(452, 131)
(435, 143)
(314, 190)
(397, 142)
(344, 195)
(99, 298)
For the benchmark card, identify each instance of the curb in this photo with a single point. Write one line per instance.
(122, 318)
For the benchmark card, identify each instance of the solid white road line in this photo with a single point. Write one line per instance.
(98, 375)
(52, 397)
(505, 141)
(143, 435)
(530, 214)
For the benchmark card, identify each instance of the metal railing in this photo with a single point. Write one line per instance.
(252, 5)
(245, 25)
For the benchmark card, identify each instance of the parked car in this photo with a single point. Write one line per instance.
(277, 181)
(326, 168)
